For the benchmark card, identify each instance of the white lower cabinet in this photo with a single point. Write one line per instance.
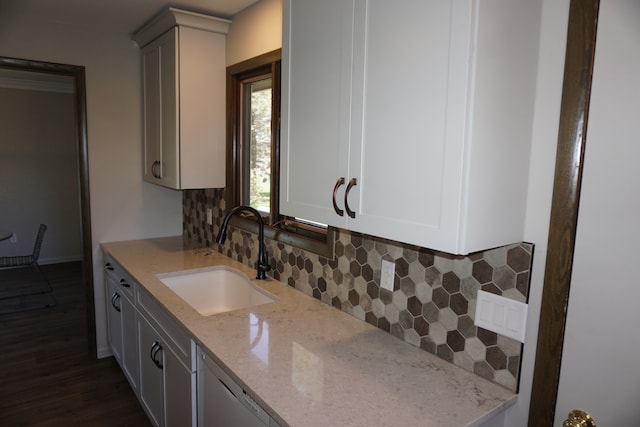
(151, 371)
(222, 402)
(177, 384)
(156, 355)
(121, 321)
(165, 382)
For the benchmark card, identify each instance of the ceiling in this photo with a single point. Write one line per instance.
(115, 16)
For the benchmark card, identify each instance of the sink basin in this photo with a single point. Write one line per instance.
(215, 290)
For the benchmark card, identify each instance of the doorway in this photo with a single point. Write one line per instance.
(77, 73)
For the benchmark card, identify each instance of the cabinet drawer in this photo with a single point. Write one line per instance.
(124, 281)
(170, 329)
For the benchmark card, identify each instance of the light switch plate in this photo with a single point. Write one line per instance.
(501, 315)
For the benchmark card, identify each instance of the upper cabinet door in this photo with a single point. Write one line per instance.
(151, 78)
(317, 44)
(202, 108)
(169, 109)
(184, 99)
(409, 102)
(161, 122)
(429, 103)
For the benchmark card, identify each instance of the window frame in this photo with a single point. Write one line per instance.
(277, 227)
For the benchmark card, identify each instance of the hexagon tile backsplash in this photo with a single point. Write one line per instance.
(434, 298)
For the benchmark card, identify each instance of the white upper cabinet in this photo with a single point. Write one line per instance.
(184, 99)
(413, 116)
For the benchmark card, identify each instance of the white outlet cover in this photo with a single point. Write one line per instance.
(387, 274)
(501, 315)
(209, 216)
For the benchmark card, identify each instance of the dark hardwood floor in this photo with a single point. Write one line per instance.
(46, 375)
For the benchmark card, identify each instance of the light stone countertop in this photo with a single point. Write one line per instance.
(309, 364)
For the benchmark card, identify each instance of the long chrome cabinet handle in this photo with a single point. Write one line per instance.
(115, 297)
(339, 183)
(155, 349)
(352, 183)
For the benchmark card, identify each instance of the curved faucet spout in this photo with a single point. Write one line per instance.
(262, 264)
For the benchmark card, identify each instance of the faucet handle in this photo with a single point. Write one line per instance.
(262, 266)
(265, 266)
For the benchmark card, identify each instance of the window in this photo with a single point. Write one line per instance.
(256, 143)
(253, 117)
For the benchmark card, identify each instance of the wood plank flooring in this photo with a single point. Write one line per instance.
(46, 375)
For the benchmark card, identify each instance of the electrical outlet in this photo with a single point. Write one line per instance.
(14, 238)
(387, 274)
(209, 216)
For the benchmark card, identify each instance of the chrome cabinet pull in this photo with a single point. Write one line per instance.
(114, 298)
(339, 183)
(108, 266)
(155, 349)
(154, 168)
(124, 283)
(352, 183)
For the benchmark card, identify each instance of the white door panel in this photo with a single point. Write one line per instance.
(599, 367)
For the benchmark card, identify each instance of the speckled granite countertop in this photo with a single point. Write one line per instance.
(310, 364)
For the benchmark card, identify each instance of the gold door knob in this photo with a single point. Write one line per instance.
(578, 418)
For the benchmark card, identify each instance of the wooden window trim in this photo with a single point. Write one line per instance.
(320, 243)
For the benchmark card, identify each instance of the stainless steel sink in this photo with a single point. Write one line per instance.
(215, 290)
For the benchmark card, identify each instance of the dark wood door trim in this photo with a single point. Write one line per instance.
(574, 112)
(78, 74)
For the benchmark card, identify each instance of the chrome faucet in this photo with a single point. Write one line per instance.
(262, 264)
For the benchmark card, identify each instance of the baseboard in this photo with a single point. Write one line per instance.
(59, 260)
(104, 352)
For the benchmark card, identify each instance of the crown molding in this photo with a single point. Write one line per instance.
(173, 17)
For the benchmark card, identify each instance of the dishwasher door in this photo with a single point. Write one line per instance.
(222, 402)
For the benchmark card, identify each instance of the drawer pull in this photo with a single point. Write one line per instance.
(155, 349)
(154, 170)
(352, 183)
(115, 298)
(339, 183)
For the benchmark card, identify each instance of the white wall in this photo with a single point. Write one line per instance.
(122, 206)
(254, 31)
(38, 172)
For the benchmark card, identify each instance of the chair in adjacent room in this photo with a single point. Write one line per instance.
(30, 260)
